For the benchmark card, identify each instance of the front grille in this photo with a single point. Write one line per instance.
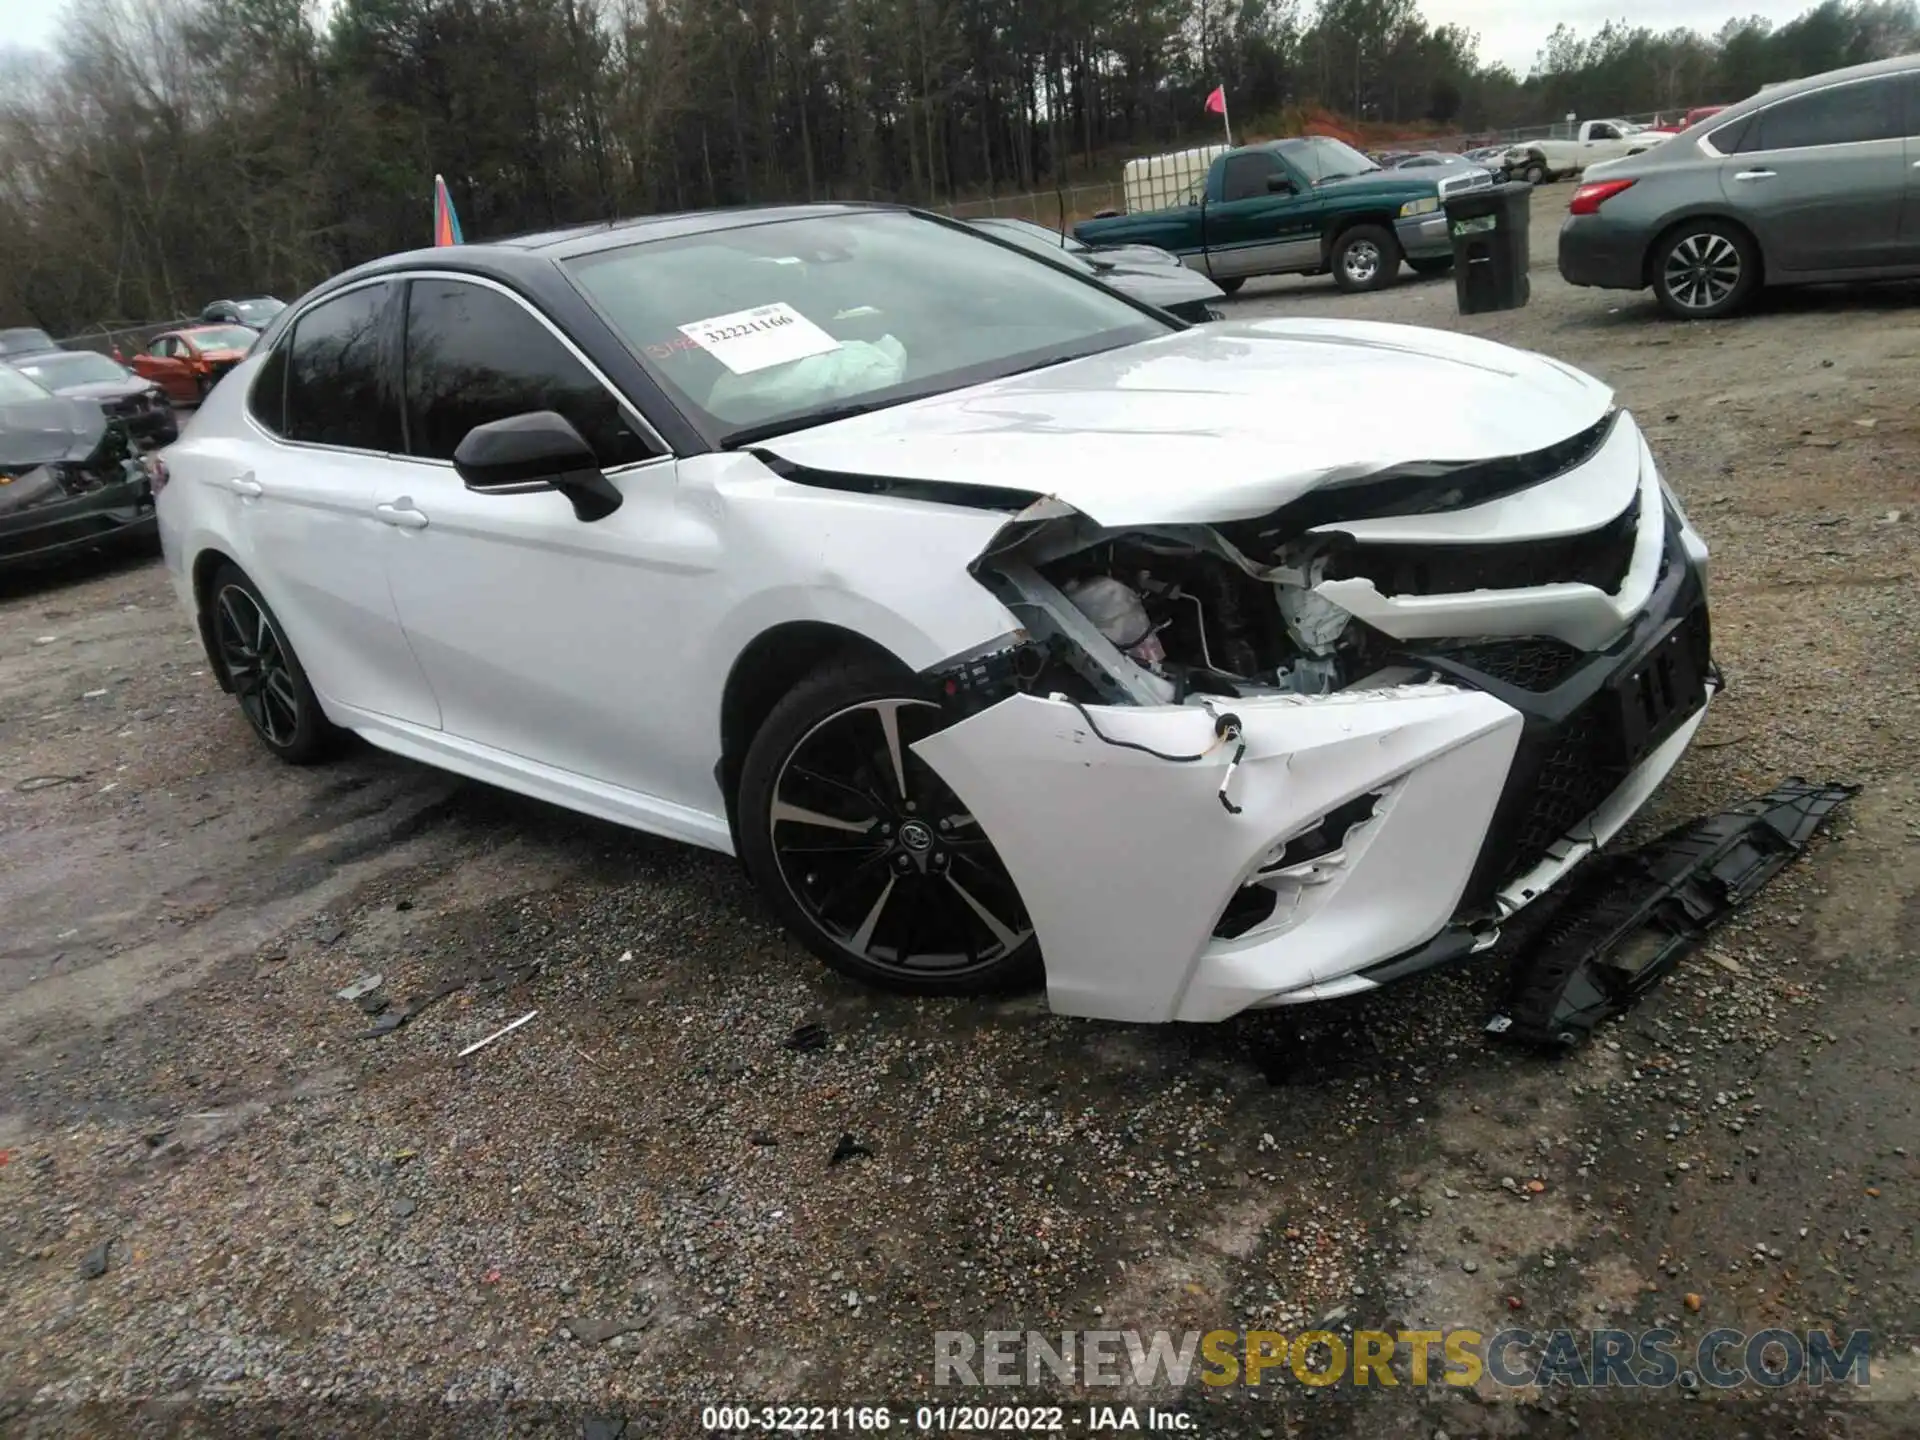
(1537, 663)
(1598, 558)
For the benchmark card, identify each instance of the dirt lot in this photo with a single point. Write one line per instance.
(628, 1203)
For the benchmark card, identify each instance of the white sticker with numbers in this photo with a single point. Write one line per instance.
(750, 340)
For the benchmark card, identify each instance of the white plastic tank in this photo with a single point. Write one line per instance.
(1160, 182)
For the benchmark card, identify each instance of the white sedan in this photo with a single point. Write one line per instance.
(1003, 627)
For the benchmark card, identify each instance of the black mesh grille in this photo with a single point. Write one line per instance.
(1598, 558)
(1579, 772)
(1536, 664)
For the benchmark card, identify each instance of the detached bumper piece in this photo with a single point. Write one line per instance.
(1631, 916)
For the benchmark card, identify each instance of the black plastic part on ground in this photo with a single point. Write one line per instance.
(1632, 916)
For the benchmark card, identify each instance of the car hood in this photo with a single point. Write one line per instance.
(98, 390)
(1221, 422)
(1133, 257)
(37, 432)
(1419, 180)
(1161, 284)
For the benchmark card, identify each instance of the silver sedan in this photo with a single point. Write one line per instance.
(1815, 180)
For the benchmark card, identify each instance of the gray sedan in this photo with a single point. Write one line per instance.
(1154, 276)
(1814, 180)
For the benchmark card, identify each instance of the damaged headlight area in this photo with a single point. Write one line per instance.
(1155, 617)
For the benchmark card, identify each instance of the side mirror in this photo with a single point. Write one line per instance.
(1279, 185)
(536, 451)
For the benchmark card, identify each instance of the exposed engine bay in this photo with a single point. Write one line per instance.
(1158, 617)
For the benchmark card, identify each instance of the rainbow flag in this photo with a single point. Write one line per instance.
(446, 224)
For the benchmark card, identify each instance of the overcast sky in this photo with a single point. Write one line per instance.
(1511, 31)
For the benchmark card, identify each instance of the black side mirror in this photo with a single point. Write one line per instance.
(1279, 185)
(536, 451)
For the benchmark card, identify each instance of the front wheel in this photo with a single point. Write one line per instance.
(1367, 257)
(1704, 270)
(1535, 174)
(1231, 285)
(1432, 265)
(266, 675)
(863, 851)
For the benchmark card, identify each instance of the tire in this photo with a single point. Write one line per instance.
(268, 680)
(1535, 174)
(1367, 257)
(1432, 265)
(1704, 269)
(887, 888)
(1231, 285)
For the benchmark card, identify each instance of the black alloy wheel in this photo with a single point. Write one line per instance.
(869, 856)
(264, 671)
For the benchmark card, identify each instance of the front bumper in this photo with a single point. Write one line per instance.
(1424, 237)
(1461, 801)
(113, 513)
(1595, 251)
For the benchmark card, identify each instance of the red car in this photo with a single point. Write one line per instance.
(186, 363)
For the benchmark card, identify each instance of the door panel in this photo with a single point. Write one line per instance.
(320, 556)
(1910, 207)
(543, 635)
(1256, 231)
(314, 545)
(1821, 178)
(556, 639)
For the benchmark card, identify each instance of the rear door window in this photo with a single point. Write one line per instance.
(1838, 115)
(337, 392)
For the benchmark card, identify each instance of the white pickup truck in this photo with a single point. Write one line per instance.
(1538, 161)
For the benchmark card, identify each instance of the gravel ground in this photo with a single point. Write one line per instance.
(632, 1204)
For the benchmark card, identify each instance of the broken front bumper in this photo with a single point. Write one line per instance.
(1376, 831)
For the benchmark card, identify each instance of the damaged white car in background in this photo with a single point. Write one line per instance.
(1003, 626)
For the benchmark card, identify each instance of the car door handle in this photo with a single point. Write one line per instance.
(1754, 175)
(244, 485)
(401, 513)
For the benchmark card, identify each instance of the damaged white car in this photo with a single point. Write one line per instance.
(1001, 625)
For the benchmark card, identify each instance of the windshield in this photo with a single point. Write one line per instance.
(78, 367)
(15, 387)
(222, 337)
(762, 328)
(258, 312)
(1320, 157)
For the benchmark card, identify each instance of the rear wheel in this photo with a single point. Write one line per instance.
(1705, 269)
(1231, 285)
(865, 853)
(1367, 257)
(266, 675)
(1432, 265)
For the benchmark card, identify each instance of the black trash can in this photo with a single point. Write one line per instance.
(1489, 232)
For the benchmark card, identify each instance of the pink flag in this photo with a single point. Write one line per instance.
(1217, 101)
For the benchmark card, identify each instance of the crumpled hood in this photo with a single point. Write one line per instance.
(1133, 256)
(1223, 422)
(1161, 284)
(107, 389)
(35, 432)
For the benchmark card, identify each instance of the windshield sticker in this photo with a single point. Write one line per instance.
(750, 340)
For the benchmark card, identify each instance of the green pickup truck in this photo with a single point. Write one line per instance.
(1302, 207)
